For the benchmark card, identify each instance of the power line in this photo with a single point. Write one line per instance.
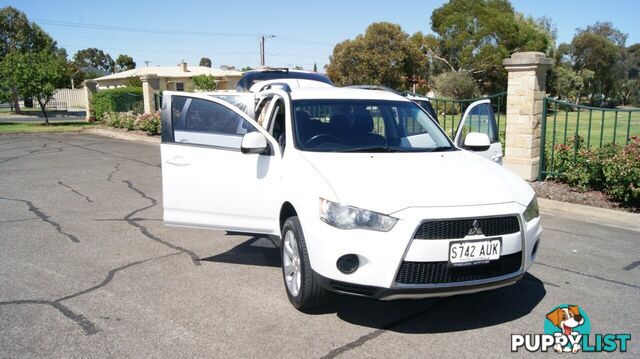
(166, 31)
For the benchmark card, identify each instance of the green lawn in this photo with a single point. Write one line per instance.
(23, 127)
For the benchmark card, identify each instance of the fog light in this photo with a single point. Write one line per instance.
(348, 263)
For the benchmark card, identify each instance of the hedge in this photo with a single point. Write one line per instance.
(122, 99)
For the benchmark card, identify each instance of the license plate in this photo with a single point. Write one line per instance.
(463, 253)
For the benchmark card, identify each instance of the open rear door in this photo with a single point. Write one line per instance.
(479, 117)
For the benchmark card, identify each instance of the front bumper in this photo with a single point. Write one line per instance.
(381, 254)
(411, 292)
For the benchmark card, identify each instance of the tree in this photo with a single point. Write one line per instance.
(474, 36)
(205, 61)
(298, 67)
(247, 68)
(315, 67)
(35, 74)
(598, 48)
(93, 57)
(204, 82)
(456, 85)
(630, 87)
(124, 63)
(17, 33)
(382, 56)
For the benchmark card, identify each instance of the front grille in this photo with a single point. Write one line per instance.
(459, 228)
(440, 272)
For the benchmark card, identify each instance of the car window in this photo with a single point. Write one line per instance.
(262, 112)
(480, 119)
(205, 122)
(351, 125)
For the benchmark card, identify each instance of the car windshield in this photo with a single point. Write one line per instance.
(365, 126)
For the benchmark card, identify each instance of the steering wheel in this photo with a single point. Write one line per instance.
(317, 138)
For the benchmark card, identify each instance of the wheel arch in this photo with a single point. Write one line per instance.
(286, 210)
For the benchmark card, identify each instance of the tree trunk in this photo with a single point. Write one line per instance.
(15, 99)
(44, 111)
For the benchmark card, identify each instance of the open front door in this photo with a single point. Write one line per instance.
(206, 180)
(479, 118)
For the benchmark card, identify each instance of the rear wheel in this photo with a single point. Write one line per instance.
(303, 291)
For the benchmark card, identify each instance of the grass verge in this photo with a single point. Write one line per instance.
(28, 127)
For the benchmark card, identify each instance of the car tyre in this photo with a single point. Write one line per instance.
(303, 290)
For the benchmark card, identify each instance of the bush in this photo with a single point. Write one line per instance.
(149, 123)
(622, 174)
(456, 85)
(613, 169)
(204, 82)
(120, 99)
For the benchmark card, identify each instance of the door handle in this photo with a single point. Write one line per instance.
(177, 161)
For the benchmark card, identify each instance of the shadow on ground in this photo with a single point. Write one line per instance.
(437, 315)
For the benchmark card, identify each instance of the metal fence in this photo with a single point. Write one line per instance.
(450, 111)
(71, 97)
(578, 126)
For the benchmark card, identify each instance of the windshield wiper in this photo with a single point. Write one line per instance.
(373, 149)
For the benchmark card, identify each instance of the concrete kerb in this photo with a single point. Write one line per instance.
(603, 216)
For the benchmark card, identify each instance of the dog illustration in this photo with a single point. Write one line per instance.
(566, 319)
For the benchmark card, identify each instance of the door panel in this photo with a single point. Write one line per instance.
(479, 117)
(207, 181)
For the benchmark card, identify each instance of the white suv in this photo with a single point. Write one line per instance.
(362, 190)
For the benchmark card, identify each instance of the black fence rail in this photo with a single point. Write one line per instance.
(450, 111)
(578, 126)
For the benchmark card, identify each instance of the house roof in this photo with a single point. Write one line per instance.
(170, 71)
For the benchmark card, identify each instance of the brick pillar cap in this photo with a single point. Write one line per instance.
(531, 58)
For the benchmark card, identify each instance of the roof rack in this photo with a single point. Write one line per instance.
(374, 87)
(275, 69)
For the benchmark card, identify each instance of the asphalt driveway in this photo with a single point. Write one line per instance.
(87, 269)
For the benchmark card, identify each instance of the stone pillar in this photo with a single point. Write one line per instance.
(90, 87)
(150, 84)
(525, 93)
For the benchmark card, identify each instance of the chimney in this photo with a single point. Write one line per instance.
(183, 66)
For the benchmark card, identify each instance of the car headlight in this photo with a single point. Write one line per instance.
(347, 217)
(532, 210)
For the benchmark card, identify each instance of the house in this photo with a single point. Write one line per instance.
(172, 78)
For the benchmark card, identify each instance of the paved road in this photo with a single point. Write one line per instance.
(87, 269)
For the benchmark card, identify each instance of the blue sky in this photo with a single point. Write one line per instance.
(227, 31)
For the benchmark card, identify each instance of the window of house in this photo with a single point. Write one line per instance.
(179, 86)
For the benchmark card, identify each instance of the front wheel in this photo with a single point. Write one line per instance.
(303, 291)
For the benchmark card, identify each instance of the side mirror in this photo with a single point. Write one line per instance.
(253, 142)
(476, 141)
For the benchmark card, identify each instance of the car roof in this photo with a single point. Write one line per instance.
(342, 93)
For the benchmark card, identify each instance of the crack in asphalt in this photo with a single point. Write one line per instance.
(104, 153)
(35, 210)
(143, 229)
(76, 192)
(589, 275)
(115, 169)
(87, 325)
(376, 333)
(19, 220)
(43, 149)
(632, 265)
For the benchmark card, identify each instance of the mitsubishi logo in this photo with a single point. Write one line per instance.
(475, 230)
